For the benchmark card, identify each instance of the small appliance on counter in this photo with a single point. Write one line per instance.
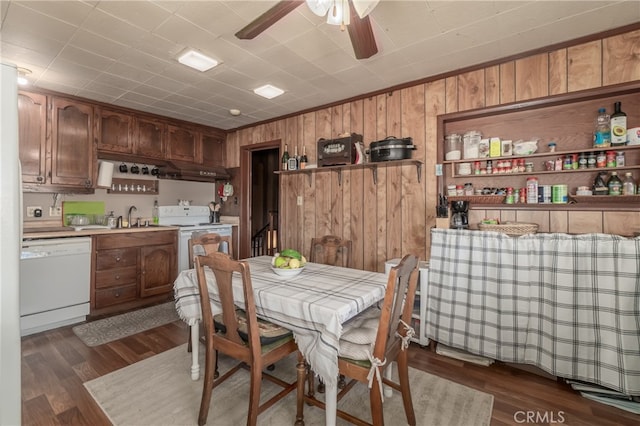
(460, 215)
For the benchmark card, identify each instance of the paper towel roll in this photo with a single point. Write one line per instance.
(105, 174)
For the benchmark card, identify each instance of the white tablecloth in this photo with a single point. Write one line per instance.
(569, 304)
(314, 304)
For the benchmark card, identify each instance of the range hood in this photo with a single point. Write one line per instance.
(192, 172)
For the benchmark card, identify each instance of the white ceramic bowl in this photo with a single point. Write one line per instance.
(287, 272)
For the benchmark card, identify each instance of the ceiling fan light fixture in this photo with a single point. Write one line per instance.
(197, 60)
(22, 76)
(268, 91)
(319, 7)
(364, 7)
(338, 13)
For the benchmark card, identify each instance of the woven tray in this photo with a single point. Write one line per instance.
(513, 229)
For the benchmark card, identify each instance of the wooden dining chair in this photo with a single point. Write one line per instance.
(239, 333)
(331, 250)
(385, 344)
(202, 243)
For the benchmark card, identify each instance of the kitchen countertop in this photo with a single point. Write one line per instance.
(68, 231)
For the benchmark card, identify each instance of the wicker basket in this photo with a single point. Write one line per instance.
(513, 229)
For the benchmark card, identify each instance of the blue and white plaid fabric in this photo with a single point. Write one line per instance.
(313, 304)
(569, 304)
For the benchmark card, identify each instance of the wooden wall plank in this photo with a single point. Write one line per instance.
(414, 227)
(532, 78)
(369, 210)
(507, 82)
(308, 183)
(541, 217)
(558, 221)
(579, 221)
(394, 184)
(558, 72)
(471, 90)
(337, 189)
(621, 58)
(435, 104)
(452, 94)
(355, 220)
(381, 188)
(323, 181)
(622, 223)
(584, 66)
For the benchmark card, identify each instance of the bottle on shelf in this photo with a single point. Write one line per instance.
(293, 161)
(618, 126)
(285, 158)
(303, 158)
(602, 133)
(614, 184)
(629, 184)
(156, 217)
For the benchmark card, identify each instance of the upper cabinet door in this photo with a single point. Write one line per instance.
(213, 150)
(73, 152)
(184, 144)
(149, 137)
(114, 131)
(32, 135)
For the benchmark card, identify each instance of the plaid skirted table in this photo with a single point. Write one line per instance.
(568, 304)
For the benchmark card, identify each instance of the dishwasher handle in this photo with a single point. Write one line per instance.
(28, 255)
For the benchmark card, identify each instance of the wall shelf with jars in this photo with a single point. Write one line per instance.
(563, 127)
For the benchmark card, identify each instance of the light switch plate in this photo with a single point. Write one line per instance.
(31, 210)
(55, 211)
(438, 169)
(299, 200)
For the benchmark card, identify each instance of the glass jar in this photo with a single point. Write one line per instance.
(620, 159)
(591, 160)
(453, 147)
(582, 161)
(611, 159)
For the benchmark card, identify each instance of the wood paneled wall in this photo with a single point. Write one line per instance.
(393, 217)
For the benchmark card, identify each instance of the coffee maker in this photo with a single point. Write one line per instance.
(459, 215)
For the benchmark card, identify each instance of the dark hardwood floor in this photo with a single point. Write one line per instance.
(56, 363)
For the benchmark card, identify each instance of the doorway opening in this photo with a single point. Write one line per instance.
(260, 199)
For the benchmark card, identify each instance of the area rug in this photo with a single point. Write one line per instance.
(106, 330)
(159, 391)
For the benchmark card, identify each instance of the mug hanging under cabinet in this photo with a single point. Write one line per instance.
(134, 186)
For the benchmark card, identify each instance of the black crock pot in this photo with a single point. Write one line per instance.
(391, 148)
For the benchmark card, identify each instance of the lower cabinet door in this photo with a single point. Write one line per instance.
(157, 269)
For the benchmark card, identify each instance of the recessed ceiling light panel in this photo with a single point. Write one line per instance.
(197, 60)
(268, 91)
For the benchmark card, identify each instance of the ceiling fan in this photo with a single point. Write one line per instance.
(352, 14)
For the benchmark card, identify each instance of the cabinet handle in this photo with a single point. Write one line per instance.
(117, 293)
(117, 277)
(39, 178)
(117, 259)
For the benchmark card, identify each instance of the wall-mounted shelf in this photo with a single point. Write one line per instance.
(372, 166)
(134, 186)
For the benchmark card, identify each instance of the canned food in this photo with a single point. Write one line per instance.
(559, 194)
(532, 190)
(544, 194)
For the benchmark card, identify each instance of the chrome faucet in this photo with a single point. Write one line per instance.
(131, 209)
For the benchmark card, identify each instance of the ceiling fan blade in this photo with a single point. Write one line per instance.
(267, 19)
(361, 34)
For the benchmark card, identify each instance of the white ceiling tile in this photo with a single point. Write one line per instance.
(92, 42)
(143, 14)
(85, 58)
(71, 12)
(117, 82)
(110, 27)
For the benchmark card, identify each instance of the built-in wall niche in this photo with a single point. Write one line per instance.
(134, 186)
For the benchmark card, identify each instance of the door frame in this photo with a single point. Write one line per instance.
(246, 175)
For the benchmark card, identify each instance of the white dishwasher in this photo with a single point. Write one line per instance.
(55, 281)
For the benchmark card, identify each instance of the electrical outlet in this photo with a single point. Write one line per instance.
(32, 209)
(55, 211)
(299, 200)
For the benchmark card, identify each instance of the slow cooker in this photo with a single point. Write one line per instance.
(391, 148)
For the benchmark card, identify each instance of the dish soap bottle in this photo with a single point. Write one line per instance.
(618, 126)
(156, 218)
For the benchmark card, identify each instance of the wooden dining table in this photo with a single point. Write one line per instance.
(313, 305)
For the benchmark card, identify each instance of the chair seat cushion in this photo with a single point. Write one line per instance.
(359, 335)
(269, 332)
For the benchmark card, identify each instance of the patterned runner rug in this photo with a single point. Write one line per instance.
(106, 330)
(159, 391)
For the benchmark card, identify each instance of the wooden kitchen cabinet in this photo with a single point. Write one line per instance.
(150, 138)
(114, 131)
(56, 143)
(73, 152)
(131, 270)
(32, 136)
(183, 144)
(213, 149)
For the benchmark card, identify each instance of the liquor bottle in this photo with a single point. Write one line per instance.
(285, 158)
(614, 184)
(618, 126)
(293, 160)
(602, 133)
(628, 185)
(303, 159)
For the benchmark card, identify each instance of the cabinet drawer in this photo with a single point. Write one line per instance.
(116, 258)
(117, 277)
(135, 239)
(115, 296)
